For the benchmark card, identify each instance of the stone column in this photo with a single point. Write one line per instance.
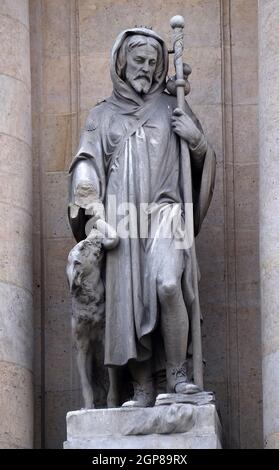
(16, 322)
(269, 213)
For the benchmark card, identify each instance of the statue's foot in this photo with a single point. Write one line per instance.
(178, 382)
(186, 387)
(137, 404)
(143, 398)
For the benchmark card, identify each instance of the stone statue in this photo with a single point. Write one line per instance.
(142, 156)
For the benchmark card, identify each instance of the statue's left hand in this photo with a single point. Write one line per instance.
(184, 126)
(110, 236)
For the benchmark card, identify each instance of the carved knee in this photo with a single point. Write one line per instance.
(168, 289)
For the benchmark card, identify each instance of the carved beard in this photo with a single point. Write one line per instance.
(140, 84)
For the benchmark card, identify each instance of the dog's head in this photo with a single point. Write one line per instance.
(82, 259)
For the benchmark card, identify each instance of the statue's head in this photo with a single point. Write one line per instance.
(140, 62)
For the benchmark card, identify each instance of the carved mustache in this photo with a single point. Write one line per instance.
(142, 76)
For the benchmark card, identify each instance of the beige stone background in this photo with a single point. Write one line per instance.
(70, 45)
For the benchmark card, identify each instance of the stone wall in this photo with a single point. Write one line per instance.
(269, 205)
(16, 314)
(70, 41)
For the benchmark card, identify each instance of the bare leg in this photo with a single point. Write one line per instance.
(174, 322)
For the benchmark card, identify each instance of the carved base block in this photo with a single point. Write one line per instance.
(175, 426)
(200, 398)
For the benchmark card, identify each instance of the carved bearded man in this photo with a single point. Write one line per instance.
(130, 150)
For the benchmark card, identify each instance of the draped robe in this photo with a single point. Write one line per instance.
(128, 150)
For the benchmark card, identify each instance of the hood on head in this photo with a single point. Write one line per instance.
(122, 89)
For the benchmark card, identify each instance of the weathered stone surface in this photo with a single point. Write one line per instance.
(15, 236)
(93, 17)
(15, 118)
(16, 312)
(15, 179)
(270, 411)
(56, 141)
(16, 405)
(58, 352)
(16, 10)
(211, 127)
(246, 124)
(244, 17)
(164, 427)
(16, 319)
(57, 23)
(172, 419)
(93, 88)
(57, 85)
(206, 65)
(56, 205)
(200, 398)
(13, 53)
(56, 407)
(153, 441)
(246, 186)
(269, 207)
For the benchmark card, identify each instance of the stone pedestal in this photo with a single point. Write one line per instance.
(176, 426)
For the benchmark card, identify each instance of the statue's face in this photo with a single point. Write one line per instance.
(140, 68)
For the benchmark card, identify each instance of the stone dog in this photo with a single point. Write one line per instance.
(88, 310)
